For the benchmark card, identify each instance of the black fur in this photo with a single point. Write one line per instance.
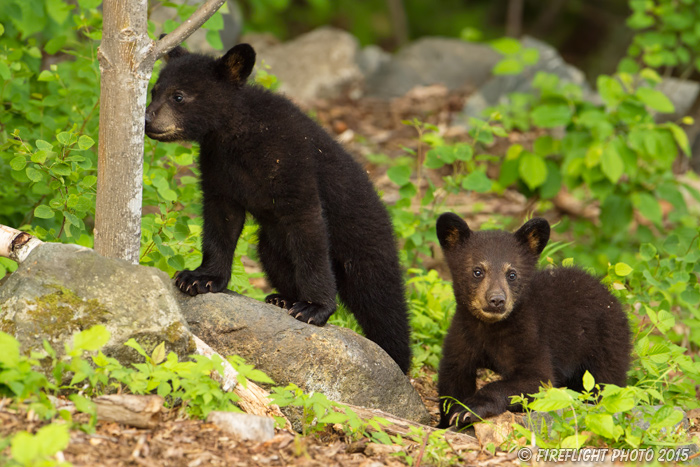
(530, 326)
(323, 229)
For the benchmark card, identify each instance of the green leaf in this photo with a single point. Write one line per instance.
(63, 170)
(52, 438)
(623, 269)
(63, 138)
(214, 40)
(9, 351)
(55, 44)
(85, 142)
(575, 441)
(507, 66)
(601, 424)
(655, 99)
(400, 174)
(39, 157)
(18, 163)
(136, 346)
(532, 170)
(158, 354)
(506, 45)
(681, 137)
(2, 29)
(648, 206)
(177, 262)
(666, 417)
(647, 252)
(622, 401)
(91, 339)
(45, 145)
(43, 212)
(24, 448)
(5, 72)
(610, 90)
(551, 115)
(46, 76)
(555, 399)
(588, 381)
(611, 163)
(88, 181)
(83, 404)
(333, 417)
(477, 181)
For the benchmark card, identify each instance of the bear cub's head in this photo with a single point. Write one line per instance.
(192, 88)
(491, 269)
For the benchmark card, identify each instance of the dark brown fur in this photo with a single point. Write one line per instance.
(530, 326)
(323, 229)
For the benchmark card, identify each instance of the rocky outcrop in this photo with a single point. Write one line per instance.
(61, 289)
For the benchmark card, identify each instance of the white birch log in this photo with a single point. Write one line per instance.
(15, 244)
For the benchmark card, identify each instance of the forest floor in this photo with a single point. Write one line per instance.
(365, 127)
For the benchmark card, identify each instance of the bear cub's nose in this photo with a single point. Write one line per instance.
(497, 300)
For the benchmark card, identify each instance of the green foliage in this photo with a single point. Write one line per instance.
(47, 135)
(628, 417)
(668, 35)
(515, 59)
(431, 301)
(38, 450)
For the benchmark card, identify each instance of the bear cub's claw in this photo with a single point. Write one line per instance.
(311, 313)
(461, 420)
(278, 300)
(194, 282)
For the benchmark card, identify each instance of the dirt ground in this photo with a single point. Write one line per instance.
(181, 442)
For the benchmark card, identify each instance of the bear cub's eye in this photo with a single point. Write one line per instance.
(177, 97)
(478, 273)
(512, 275)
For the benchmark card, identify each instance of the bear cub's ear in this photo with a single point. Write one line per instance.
(534, 234)
(452, 230)
(238, 63)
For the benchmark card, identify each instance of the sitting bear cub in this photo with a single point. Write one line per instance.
(530, 326)
(323, 229)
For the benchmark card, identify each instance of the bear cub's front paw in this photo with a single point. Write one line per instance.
(196, 282)
(311, 313)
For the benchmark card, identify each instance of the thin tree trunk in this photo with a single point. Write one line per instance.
(399, 21)
(514, 18)
(126, 58)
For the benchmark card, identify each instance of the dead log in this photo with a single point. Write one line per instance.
(253, 399)
(15, 244)
(130, 409)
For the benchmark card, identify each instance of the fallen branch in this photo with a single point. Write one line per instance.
(15, 244)
(253, 399)
(130, 409)
(401, 426)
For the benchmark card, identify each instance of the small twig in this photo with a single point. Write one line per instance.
(419, 459)
(185, 29)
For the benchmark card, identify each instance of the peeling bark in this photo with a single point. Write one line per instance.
(15, 244)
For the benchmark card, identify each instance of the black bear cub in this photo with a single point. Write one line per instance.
(322, 228)
(530, 326)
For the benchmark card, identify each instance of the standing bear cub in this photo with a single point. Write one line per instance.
(530, 326)
(322, 228)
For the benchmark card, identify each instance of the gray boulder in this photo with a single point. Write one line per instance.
(432, 60)
(319, 64)
(61, 289)
(496, 90)
(332, 360)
